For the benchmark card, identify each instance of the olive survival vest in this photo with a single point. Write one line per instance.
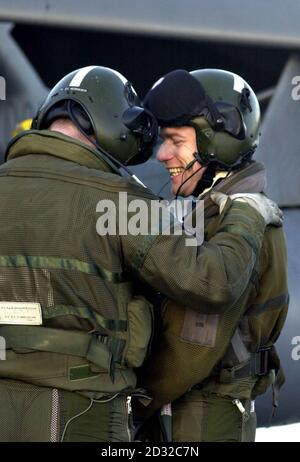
(94, 330)
(230, 353)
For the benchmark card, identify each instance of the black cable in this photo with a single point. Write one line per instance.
(178, 190)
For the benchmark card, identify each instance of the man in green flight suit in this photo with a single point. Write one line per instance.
(72, 314)
(212, 362)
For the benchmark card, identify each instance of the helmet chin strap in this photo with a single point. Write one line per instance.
(120, 165)
(185, 181)
(187, 167)
(207, 177)
(206, 180)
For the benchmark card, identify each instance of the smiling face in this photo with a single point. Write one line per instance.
(176, 152)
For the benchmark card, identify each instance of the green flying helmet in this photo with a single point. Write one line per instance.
(106, 108)
(227, 131)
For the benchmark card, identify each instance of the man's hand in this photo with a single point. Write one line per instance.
(268, 209)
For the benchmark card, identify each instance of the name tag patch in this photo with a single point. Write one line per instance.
(21, 313)
(200, 328)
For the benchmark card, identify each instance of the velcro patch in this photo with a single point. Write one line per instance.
(200, 328)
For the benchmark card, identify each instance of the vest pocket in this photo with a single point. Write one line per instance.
(139, 330)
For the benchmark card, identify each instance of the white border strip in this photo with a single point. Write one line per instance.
(80, 75)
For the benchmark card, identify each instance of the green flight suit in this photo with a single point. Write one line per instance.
(74, 374)
(204, 359)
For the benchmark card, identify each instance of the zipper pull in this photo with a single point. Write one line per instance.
(129, 407)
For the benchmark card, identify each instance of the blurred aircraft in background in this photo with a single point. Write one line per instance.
(41, 40)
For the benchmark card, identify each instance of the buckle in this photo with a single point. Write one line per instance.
(263, 360)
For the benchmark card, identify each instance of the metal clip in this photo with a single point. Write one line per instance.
(241, 408)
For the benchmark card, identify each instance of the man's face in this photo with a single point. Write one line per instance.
(176, 152)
